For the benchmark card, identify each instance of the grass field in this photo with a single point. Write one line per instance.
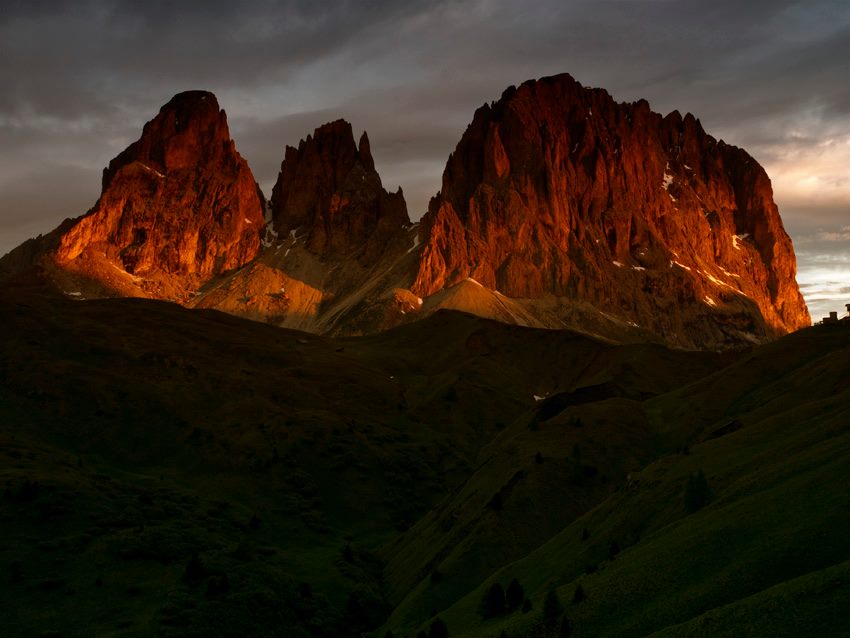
(187, 473)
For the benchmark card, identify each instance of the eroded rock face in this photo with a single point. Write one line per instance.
(559, 208)
(557, 189)
(329, 193)
(178, 202)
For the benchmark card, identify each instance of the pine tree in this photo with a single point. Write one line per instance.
(514, 595)
(696, 492)
(552, 608)
(493, 603)
(438, 629)
(579, 594)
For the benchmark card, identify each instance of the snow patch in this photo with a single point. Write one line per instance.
(715, 280)
(74, 294)
(679, 265)
(415, 244)
(737, 239)
(270, 234)
(729, 274)
(708, 300)
(638, 268)
(617, 264)
(475, 282)
(248, 221)
(668, 178)
(537, 397)
(154, 171)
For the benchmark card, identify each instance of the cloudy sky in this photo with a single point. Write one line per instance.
(81, 77)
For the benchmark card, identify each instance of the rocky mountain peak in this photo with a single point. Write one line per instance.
(180, 201)
(329, 192)
(557, 190)
(189, 128)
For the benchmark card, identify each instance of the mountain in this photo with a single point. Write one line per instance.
(329, 188)
(190, 473)
(559, 208)
(177, 207)
(337, 252)
(175, 470)
(557, 191)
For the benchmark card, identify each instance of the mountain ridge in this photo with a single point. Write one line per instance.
(558, 189)
(559, 208)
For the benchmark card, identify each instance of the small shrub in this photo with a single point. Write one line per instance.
(514, 595)
(366, 609)
(493, 603)
(438, 629)
(696, 492)
(552, 608)
(579, 594)
(16, 571)
(195, 569)
(217, 586)
(496, 502)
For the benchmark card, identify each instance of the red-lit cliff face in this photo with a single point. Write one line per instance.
(180, 203)
(339, 249)
(329, 189)
(558, 190)
(559, 208)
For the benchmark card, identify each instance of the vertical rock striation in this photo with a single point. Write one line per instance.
(558, 190)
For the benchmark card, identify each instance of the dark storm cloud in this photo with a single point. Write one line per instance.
(80, 78)
(84, 59)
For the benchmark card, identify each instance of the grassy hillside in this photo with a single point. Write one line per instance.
(175, 472)
(764, 555)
